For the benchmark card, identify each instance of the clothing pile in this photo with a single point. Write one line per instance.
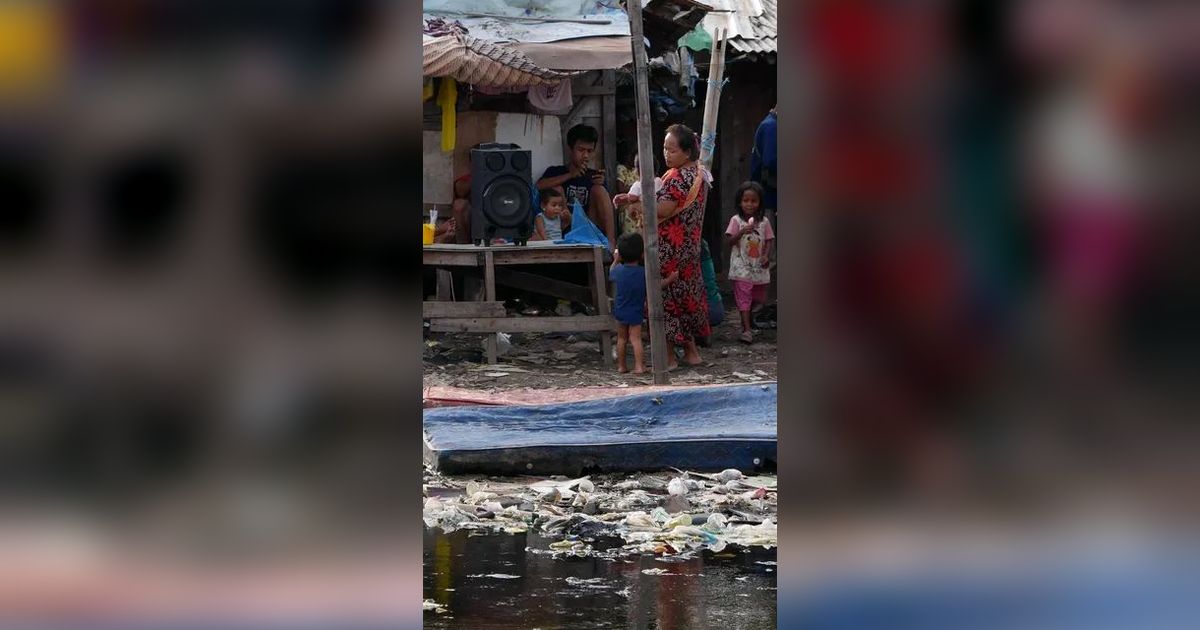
(439, 27)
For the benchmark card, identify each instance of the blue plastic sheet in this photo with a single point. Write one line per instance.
(709, 428)
(583, 230)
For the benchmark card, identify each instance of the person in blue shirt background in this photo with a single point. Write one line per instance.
(764, 162)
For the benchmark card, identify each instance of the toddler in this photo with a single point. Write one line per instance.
(629, 306)
(631, 202)
(554, 221)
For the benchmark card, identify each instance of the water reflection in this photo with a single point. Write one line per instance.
(491, 581)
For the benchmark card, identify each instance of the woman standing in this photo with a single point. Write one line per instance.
(680, 210)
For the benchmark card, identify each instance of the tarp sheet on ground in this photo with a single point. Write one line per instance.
(445, 396)
(708, 428)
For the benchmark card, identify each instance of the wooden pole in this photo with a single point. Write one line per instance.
(658, 336)
(712, 100)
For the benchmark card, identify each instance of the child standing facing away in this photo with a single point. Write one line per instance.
(751, 237)
(554, 221)
(629, 307)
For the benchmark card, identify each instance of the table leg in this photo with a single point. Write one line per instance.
(489, 292)
(445, 285)
(600, 294)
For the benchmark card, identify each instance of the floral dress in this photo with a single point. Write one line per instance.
(685, 302)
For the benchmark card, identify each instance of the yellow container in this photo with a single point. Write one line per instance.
(427, 233)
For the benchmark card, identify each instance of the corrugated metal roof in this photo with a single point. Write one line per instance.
(525, 21)
(752, 25)
(477, 62)
(666, 21)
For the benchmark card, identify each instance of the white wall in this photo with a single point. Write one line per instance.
(540, 134)
(437, 169)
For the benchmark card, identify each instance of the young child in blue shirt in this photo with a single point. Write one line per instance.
(629, 306)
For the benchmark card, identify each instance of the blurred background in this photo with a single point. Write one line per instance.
(995, 217)
(997, 210)
(206, 404)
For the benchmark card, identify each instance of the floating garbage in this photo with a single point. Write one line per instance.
(670, 515)
(497, 576)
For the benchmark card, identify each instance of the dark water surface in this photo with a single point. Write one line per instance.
(731, 591)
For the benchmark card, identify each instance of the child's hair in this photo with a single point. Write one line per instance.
(630, 247)
(753, 186)
(546, 194)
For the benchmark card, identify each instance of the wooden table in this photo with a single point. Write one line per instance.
(487, 316)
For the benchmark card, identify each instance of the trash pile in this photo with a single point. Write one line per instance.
(665, 514)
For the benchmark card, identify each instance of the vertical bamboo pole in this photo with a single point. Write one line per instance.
(658, 337)
(712, 100)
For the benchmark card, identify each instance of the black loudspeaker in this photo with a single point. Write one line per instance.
(501, 194)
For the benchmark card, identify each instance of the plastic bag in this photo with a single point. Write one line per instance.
(583, 230)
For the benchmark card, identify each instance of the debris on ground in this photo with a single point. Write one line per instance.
(539, 360)
(669, 514)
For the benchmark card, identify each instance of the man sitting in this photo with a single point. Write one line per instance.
(581, 183)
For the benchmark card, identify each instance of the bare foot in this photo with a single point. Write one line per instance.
(639, 370)
(622, 369)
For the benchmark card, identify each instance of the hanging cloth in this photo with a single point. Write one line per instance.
(447, 97)
(551, 98)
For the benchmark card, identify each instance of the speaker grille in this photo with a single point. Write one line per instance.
(506, 202)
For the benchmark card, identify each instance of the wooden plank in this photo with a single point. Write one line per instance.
(445, 285)
(539, 256)
(658, 338)
(600, 293)
(543, 285)
(609, 133)
(592, 90)
(577, 323)
(431, 310)
(435, 258)
(489, 289)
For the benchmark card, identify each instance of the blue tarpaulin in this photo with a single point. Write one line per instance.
(709, 428)
(583, 230)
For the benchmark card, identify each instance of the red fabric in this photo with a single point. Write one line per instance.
(685, 302)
